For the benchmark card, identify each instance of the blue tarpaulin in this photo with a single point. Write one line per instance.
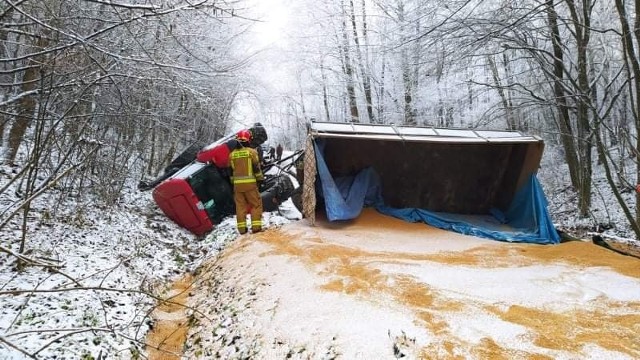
(344, 197)
(526, 220)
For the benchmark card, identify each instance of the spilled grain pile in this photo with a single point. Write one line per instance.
(378, 287)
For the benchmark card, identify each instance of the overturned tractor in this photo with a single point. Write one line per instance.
(195, 190)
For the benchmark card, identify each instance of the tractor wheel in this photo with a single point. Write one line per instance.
(280, 190)
(296, 198)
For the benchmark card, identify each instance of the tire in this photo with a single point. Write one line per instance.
(296, 198)
(280, 190)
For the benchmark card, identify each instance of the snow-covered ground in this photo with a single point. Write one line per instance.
(605, 215)
(314, 292)
(107, 268)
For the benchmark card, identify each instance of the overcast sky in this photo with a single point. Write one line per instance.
(268, 41)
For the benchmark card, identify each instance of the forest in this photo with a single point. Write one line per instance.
(96, 95)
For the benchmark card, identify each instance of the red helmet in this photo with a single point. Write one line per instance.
(243, 136)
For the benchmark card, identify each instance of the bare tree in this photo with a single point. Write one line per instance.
(100, 87)
(348, 67)
(362, 65)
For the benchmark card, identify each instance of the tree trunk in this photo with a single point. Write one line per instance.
(381, 90)
(367, 66)
(25, 112)
(634, 79)
(366, 82)
(152, 150)
(601, 152)
(325, 96)
(501, 92)
(348, 70)
(564, 120)
(585, 143)
(409, 113)
(512, 112)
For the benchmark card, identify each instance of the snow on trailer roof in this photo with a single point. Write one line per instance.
(417, 133)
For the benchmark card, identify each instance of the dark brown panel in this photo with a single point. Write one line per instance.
(458, 178)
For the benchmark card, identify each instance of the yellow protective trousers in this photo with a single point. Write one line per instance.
(248, 199)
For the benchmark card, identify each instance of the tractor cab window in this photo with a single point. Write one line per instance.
(214, 191)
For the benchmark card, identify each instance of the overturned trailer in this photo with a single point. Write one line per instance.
(472, 181)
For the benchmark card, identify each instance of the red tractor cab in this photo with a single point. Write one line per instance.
(197, 197)
(196, 193)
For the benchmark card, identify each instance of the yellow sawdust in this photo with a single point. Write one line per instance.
(580, 254)
(575, 253)
(488, 349)
(166, 339)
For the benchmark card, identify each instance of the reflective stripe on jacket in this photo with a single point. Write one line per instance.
(245, 165)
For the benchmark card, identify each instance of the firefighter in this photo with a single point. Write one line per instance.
(246, 173)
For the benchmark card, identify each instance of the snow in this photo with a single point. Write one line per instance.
(109, 267)
(108, 260)
(568, 287)
(373, 288)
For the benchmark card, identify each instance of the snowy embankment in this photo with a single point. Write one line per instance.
(108, 268)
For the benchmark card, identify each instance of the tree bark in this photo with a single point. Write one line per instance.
(632, 59)
(366, 82)
(582, 23)
(25, 112)
(348, 70)
(325, 96)
(501, 92)
(564, 121)
(367, 65)
(407, 83)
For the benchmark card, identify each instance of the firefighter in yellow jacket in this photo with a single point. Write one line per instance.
(245, 165)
